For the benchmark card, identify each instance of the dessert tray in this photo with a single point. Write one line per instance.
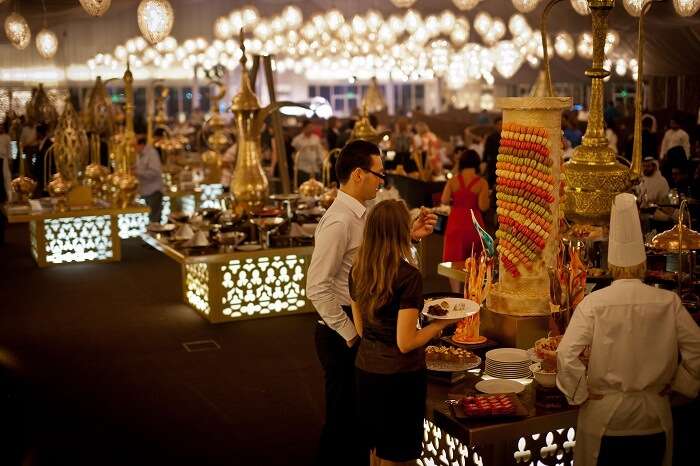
(486, 406)
(450, 359)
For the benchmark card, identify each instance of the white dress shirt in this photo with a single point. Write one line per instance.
(337, 239)
(309, 153)
(674, 138)
(636, 333)
(149, 171)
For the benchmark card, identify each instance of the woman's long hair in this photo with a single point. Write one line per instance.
(385, 243)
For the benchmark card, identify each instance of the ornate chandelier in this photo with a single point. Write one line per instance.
(525, 6)
(581, 7)
(46, 43)
(403, 3)
(686, 7)
(465, 4)
(155, 18)
(96, 7)
(17, 31)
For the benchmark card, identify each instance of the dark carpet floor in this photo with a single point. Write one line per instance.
(93, 370)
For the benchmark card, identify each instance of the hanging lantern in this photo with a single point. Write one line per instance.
(17, 31)
(46, 43)
(686, 7)
(525, 6)
(222, 28)
(564, 45)
(508, 59)
(403, 3)
(465, 4)
(155, 19)
(96, 7)
(581, 7)
(634, 7)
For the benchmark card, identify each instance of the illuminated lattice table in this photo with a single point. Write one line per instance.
(232, 286)
(132, 225)
(80, 235)
(544, 438)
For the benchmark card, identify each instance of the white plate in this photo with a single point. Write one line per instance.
(470, 308)
(508, 355)
(448, 367)
(495, 386)
(249, 247)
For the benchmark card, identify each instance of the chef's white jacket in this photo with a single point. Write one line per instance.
(636, 333)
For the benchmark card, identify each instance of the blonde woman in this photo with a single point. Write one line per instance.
(387, 293)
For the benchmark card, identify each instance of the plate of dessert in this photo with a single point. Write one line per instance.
(449, 308)
(477, 406)
(496, 386)
(450, 359)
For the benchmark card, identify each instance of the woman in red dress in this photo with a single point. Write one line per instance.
(466, 191)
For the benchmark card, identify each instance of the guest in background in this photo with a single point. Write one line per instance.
(483, 118)
(675, 160)
(571, 132)
(493, 142)
(675, 136)
(466, 192)
(150, 175)
(654, 186)
(333, 134)
(429, 145)
(386, 290)
(5, 175)
(309, 153)
(228, 163)
(39, 159)
(402, 141)
(652, 121)
(611, 136)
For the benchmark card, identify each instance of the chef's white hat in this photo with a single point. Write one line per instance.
(626, 244)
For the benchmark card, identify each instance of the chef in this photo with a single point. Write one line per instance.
(636, 333)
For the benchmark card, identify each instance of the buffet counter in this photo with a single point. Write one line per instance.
(227, 286)
(546, 435)
(416, 192)
(77, 235)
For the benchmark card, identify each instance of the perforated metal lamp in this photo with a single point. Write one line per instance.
(403, 3)
(17, 31)
(96, 7)
(686, 7)
(46, 43)
(155, 18)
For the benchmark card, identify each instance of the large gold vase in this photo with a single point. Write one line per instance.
(594, 176)
(249, 183)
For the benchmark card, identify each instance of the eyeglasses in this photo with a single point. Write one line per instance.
(381, 176)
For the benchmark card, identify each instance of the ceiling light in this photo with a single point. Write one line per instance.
(581, 7)
(155, 18)
(525, 6)
(17, 31)
(95, 7)
(46, 43)
(686, 7)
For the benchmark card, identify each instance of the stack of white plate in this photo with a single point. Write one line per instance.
(508, 363)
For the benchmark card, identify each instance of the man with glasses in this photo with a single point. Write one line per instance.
(338, 235)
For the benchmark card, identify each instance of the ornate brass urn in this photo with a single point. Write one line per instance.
(594, 176)
(70, 144)
(217, 141)
(124, 184)
(249, 183)
(23, 185)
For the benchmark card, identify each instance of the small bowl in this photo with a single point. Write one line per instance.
(546, 379)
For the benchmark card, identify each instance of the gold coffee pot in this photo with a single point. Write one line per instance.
(594, 176)
(58, 189)
(249, 183)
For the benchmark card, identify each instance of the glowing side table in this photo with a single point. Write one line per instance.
(74, 236)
